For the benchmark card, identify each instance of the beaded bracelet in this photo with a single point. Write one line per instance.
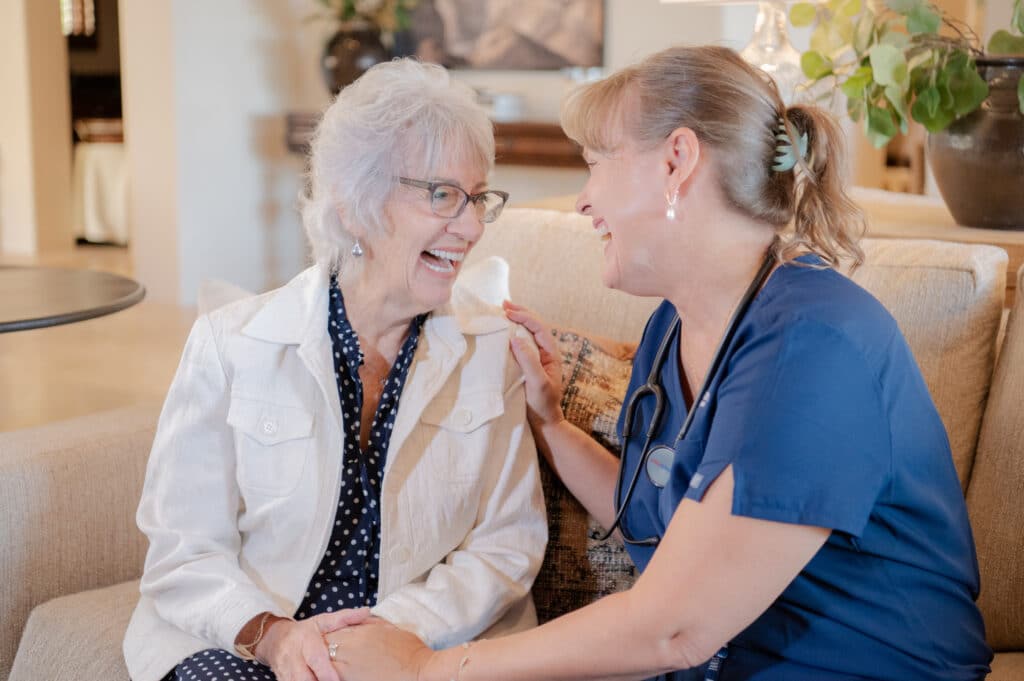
(463, 662)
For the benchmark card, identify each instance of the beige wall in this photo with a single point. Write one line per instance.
(151, 135)
(35, 129)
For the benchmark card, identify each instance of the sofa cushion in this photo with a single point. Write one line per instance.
(77, 637)
(68, 494)
(947, 299)
(578, 568)
(555, 262)
(996, 490)
(1007, 667)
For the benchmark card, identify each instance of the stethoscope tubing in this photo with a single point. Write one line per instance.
(652, 387)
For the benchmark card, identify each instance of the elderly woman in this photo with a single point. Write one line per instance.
(357, 437)
(786, 486)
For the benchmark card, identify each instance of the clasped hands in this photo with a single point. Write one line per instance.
(365, 648)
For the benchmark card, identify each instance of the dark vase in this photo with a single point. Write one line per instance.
(349, 53)
(978, 161)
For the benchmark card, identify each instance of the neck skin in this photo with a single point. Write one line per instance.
(706, 289)
(377, 316)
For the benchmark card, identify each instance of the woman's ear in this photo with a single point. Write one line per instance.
(682, 152)
(355, 230)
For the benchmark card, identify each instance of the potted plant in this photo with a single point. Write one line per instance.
(905, 60)
(365, 30)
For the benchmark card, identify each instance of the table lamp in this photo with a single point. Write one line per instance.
(769, 48)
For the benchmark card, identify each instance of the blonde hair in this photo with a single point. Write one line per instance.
(735, 109)
(399, 117)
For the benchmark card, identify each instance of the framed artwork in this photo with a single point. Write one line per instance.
(506, 34)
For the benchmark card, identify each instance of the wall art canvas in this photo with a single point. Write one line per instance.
(506, 34)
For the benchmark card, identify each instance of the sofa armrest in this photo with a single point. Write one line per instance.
(68, 495)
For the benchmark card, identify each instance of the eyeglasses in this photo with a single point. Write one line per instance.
(449, 200)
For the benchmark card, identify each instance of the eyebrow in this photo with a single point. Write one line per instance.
(447, 180)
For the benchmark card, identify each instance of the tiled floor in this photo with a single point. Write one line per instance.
(78, 369)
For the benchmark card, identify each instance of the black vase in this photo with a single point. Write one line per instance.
(978, 161)
(349, 53)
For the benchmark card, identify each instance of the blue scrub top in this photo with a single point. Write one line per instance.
(823, 414)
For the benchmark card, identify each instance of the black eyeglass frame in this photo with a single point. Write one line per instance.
(467, 198)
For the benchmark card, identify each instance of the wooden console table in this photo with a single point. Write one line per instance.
(521, 143)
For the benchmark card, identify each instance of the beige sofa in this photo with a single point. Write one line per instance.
(72, 555)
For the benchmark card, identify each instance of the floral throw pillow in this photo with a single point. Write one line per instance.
(578, 567)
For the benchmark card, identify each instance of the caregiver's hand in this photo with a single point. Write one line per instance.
(378, 651)
(295, 650)
(541, 367)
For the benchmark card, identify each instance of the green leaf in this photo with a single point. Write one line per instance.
(897, 98)
(923, 19)
(897, 40)
(1004, 42)
(803, 14)
(855, 109)
(969, 90)
(927, 104)
(902, 6)
(959, 61)
(854, 86)
(815, 65)
(850, 8)
(862, 34)
(1018, 16)
(881, 126)
(889, 65)
(1020, 93)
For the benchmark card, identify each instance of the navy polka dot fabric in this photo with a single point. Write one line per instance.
(347, 576)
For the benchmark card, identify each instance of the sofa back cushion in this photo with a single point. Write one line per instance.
(68, 494)
(555, 269)
(948, 301)
(996, 490)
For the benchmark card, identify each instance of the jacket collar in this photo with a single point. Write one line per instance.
(296, 314)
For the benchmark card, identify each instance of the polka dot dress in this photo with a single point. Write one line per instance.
(347, 576)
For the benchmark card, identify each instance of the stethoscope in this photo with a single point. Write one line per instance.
(657, 462)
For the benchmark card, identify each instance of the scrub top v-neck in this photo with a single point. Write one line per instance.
(821, 410)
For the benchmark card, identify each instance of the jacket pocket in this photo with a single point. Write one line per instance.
(458, 441)
(272, 444)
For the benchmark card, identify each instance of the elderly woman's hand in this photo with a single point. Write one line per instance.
(541, 367)
(378, 651)
(296, 651)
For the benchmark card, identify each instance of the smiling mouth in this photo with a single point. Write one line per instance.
(441, 261)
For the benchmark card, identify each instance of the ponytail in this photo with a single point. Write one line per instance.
(825, 220)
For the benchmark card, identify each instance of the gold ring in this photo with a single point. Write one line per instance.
(332, 651)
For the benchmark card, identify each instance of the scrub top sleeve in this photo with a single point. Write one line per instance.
(801, 419)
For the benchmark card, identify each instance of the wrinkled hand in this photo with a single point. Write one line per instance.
(296, 651)
(541, 367)
(378, 651)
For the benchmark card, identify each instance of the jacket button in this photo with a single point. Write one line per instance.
(269, 427)
(400, 554)
(463, 417)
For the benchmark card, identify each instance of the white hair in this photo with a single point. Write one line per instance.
(398, 118)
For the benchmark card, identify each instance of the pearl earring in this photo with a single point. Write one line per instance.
(670, 211)
(357, 250)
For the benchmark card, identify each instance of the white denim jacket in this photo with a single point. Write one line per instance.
(242, 483)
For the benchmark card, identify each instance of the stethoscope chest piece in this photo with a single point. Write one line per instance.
(659, 465)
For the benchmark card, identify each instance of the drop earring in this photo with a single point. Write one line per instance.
(670, 211)
(357, 250)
